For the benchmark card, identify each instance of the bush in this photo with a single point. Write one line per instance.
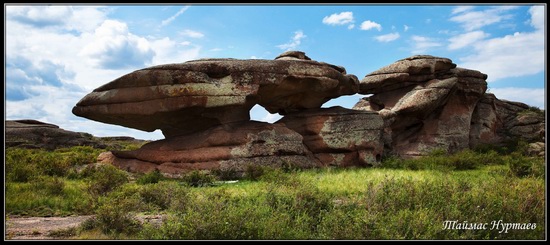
(114, 216)
(105, 178)
(50, 185)
(522, 166)
(253, 172)
(198, 178)
(150, 178)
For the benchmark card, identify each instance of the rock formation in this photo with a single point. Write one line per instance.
(416, 105)
(34, 134)
(184, 98)
(202, 108)
(428, 103)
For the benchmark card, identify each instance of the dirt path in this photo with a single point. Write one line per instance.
(39, 228)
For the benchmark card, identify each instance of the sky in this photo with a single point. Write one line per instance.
(56, 54)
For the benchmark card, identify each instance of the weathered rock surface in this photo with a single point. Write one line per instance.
(495, 121)
(426, 103)
(188, 97)
(39, 135)
(339, 136)
(222, 148)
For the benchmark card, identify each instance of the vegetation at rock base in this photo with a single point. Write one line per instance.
(401, 199)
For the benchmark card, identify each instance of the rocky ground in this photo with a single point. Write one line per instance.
(40, 228)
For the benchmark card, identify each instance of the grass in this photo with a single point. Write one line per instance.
(403, 200)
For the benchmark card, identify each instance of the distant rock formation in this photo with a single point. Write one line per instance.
(428, 103)
(202, 108)
(34, 134)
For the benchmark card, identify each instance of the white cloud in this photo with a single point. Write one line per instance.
(388, 37)
(473, 20)
(168, 51)
(191, 33)
(529, 96)
(461, 9)
(367, 25)
(258, 113)
(294, 43)
(173, 17)
(537, 17)
(339, 19)
(405, 27)
(422, 44)
(518, 54)
(114, 47)
(463, 40)
(351, 26)
(46, 76)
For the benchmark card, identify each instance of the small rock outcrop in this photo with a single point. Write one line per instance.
(35, 134)
(225, 148)
(339, 136)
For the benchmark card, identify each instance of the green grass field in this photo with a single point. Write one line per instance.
(402, 200)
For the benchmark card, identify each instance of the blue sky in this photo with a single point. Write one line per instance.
(55, 55)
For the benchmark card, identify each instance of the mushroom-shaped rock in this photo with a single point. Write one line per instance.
(192, 96)
(225, 148)
(339, 136)
(426, 103)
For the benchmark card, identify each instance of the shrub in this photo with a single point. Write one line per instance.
(150, 178)
(227, 174)
(105, 178)
(522, 166)
(253, 172)
(114, 216)
(198, 178)
(50, 185)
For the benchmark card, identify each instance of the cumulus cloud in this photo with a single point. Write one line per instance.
(114, 47)
(530, 96)
(22, 75)
(294, 42)
(473, 20)
(367, 25)
(173, 17)
(48, 70)
(388, 37)
(514, 55)
(39, 17)
(191, 33)
(463, 40)
(340, 19)
(422, 44)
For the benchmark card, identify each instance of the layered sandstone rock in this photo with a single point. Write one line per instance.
(426, 103)
(339, 136)
(226, 148)
(184, 98)
(202, 108)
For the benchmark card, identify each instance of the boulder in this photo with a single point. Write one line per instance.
(339, 136)
(426, 103)
(226, 148)
(196, 95)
